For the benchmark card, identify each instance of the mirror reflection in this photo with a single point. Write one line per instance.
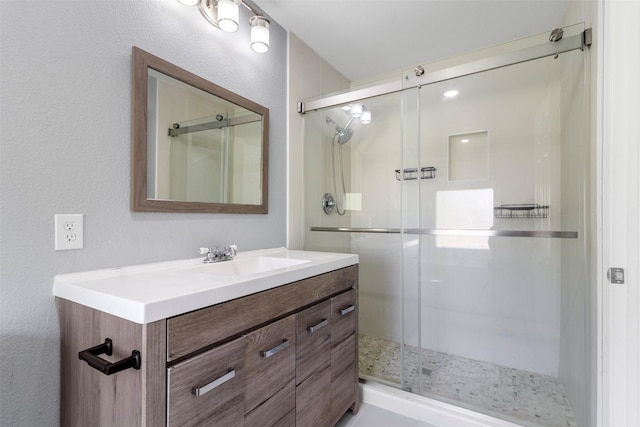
(201, 148)
(197, 147)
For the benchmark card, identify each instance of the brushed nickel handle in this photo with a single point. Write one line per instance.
(199, 391)
(347, 310)
(320, 325)
(274, 350)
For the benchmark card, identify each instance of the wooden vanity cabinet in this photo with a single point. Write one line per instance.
(282, 357)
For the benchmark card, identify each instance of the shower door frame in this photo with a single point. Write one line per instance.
(578, 41)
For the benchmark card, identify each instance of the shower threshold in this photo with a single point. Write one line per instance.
(515, 395)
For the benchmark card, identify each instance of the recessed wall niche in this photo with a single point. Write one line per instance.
(469, 156)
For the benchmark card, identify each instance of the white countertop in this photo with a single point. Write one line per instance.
(150, 292)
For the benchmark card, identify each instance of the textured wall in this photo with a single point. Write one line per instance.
(65, 93)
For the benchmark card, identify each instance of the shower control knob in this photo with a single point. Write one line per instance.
(328, 203)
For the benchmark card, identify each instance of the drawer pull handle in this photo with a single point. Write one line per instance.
(320, 325)
(199, 391)
(347, 310)
(274, 350)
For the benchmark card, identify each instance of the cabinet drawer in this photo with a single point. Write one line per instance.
(343, 316)
(313, 400)
(208, 389)
(191, 331)
(313, 332)
(344, 380)
(270, 360)
(276, 410)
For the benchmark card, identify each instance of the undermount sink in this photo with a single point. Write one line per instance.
(246, 266)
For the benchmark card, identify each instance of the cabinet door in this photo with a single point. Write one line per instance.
(344, 354)
(313, 331)
(344, 377)
(343, 316)
(278, 410)
(313, 400)
(270, 356)
(208, 389)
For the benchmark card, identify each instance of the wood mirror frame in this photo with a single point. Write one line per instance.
(142, 62)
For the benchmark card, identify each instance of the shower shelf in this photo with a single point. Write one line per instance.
(525, 210)
(428, 172)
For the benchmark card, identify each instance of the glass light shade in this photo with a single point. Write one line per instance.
(188, 2)
(365, 118)
(356, 110)
(228, 14)
(259, 34)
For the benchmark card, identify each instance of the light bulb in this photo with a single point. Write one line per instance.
(451, 93)
(228, 14)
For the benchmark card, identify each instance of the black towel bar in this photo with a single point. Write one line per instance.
(90, 356)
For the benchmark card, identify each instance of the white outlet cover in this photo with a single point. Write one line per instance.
(68, 231)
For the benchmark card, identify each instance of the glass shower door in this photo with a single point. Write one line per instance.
(501, 226)
(364, 216)
(466, 201)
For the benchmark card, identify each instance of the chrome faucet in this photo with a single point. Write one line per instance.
(218, 254)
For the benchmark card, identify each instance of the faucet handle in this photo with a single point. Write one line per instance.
(232, 249)
(203, 251)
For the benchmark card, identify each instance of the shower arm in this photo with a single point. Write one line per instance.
(339, 130)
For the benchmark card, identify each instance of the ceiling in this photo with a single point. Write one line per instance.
(366, 38)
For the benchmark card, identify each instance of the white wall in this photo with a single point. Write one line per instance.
(65, 98)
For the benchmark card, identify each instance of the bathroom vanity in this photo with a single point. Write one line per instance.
(267, 339)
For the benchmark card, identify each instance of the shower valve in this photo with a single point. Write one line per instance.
(328, 203)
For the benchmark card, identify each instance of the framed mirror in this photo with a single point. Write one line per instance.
(197, 147)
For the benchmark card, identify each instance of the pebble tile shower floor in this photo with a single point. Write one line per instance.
(519, 396)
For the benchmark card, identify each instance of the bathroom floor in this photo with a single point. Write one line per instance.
(519, 396)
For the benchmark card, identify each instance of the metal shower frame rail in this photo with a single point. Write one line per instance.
(568, 44)
(451, 232)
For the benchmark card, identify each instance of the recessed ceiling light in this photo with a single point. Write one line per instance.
(451, 93)
(464, 141)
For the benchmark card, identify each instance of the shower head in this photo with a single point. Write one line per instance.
(344, 134)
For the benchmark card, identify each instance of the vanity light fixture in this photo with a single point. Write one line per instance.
(365, 118)
(228, 15)
(259, 33)
(357, 111)
(224, 15)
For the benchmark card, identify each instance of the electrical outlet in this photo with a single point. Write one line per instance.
(68, 231)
